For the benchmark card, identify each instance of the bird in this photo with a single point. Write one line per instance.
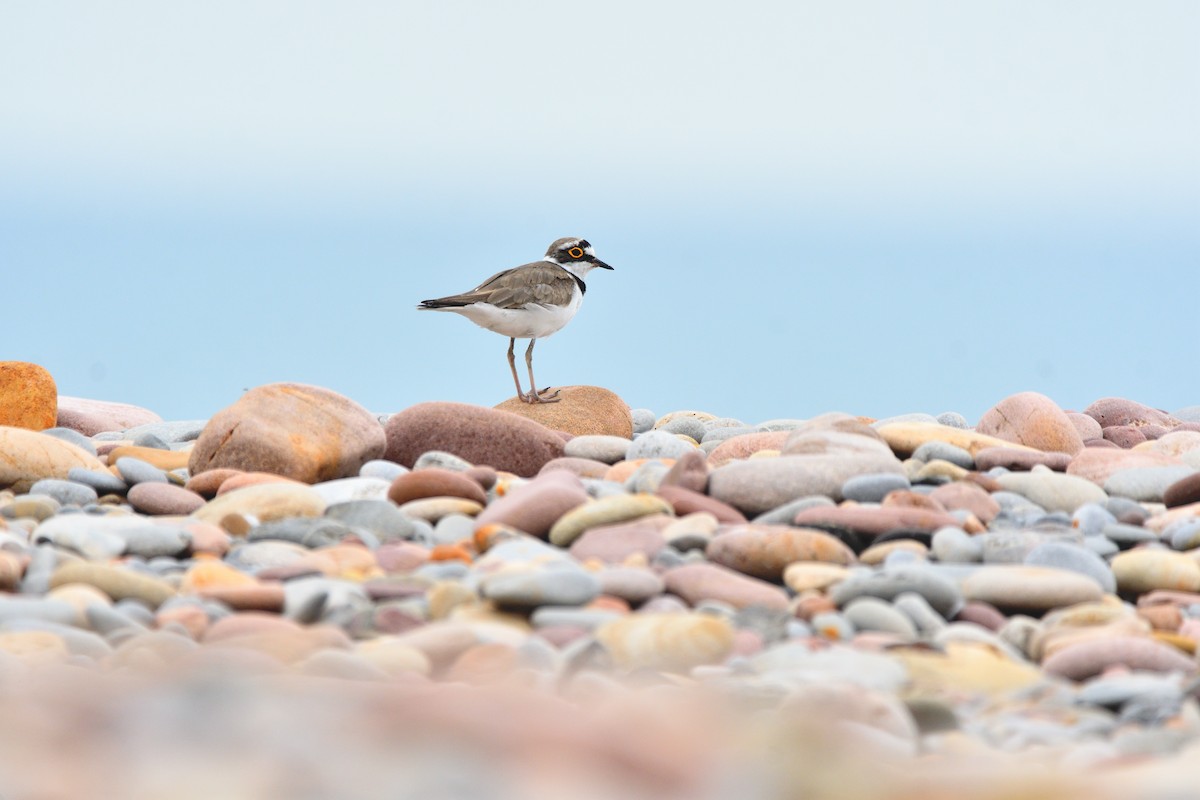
(530, 302)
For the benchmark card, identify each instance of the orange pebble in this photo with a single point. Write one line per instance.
(450, 552)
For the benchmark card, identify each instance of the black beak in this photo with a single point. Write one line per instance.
(598, 263)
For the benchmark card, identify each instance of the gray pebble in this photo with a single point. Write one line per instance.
(718, 435)
(1091, 519)
(1188, 414)
(251, 557)
(657, 444)
(105, 619)
(151, 440)
(380, 468)
(14, 609)
(67, 493)
(598, 487)
(453, 528)
(688, 426)
(943, 451)
(1128, 535)
(135, 471)
(1075, 558)
(102, 481)
(953, 419)
(558, 584)
(643, 420)
(172, 432)
(42, 562)
(453, 570)
(1125, 509)
(773, 425)
(321, 599)
(1101, 546)
(917, 609)
(380, 517)
(1145, 484)
(784, 514)
(306, 531)
(1183, 535)
(154, 540)
(872, 488)
(73, 437)
(873, 614)
(608, 449)
(941, 592)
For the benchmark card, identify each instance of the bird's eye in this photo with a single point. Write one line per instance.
(575, 252)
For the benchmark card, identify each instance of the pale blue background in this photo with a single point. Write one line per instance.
(875, 207)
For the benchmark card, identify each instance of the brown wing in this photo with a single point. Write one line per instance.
(538, 282)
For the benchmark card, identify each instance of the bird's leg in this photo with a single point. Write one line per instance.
(512, 364)
(534, 395)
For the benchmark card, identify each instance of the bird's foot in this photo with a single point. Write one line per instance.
(544, 396)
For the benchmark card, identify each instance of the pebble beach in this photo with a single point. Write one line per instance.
(301, 597)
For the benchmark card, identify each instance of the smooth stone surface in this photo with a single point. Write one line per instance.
(72, 437)
(1076, 558)
(1183, 492)
(265, 502)
(667, 642)
(696, 583)
(380, 517)
(943, 451)
(605, 511)
(1117, 411)
(1010, 458)
(1053, 491)
(643, 419)
(608, 449)
(1147, 484)
(953, 545)
(873, 614)
(685, 501)
(657, 444)
(886, 584)
(90, 417)
(134, 471)
(765, 551)
(634, 585)
(27, 457)
(690, 471)
(615, 544)
(740, 447)
(802, 576)
(905, 437)
(164, 499)
(479, 435)
(1029, 589)
(65, 492)
(560, 584)
(535, 507)
(580, 410)
(345, 490)
(1091, 657)
(967, 496)
(756, 486)
(872, 488)
(1034, 420)
(434, 482)
(117, 583)
(1145, 569)
(1099, 464)
(307, 433)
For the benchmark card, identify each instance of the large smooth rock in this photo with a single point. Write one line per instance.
(1099, 464)
(1145, 569)
(580, 410)
(90, 417)
(480, 435)
(536, 506)
(298, 431)
(1029, 589)
(264, 502)
(696, 583)
(28, 396)
(1053, 491)
(1115, 412)
(26, 457)
(765, 551)
(758, 485)
(1034, 420)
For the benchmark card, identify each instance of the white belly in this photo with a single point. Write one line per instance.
(532, 321)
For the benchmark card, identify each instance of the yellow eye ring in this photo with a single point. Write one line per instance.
(575, 252)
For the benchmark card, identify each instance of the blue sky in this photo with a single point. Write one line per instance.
(873, 207)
